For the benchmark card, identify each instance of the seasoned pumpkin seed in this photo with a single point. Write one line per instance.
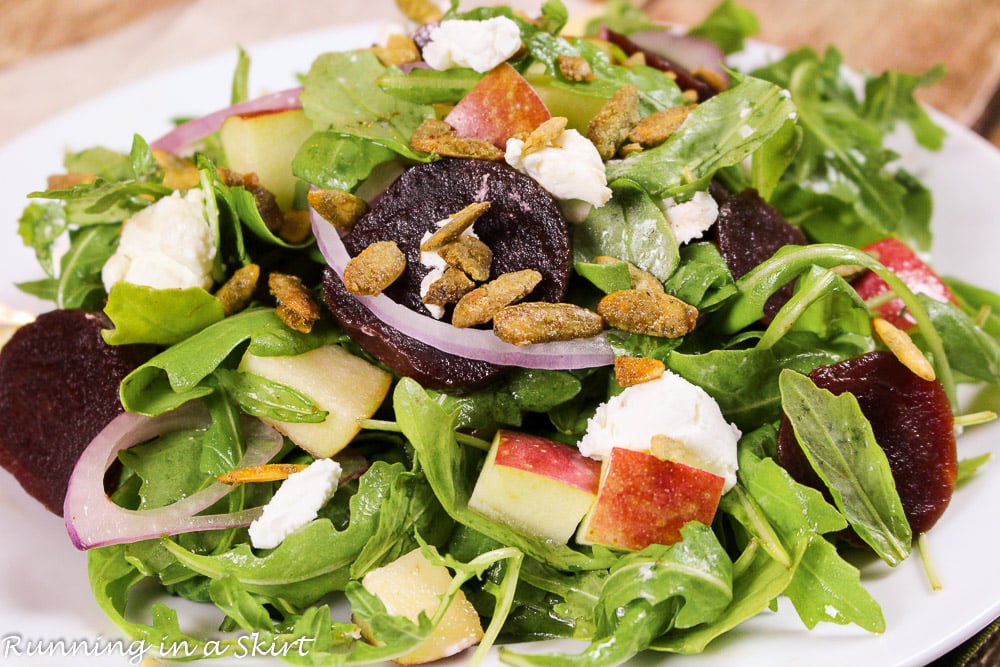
(543, 322)
(648, 312)
(296, 306)
(374, 268)
(481, 304)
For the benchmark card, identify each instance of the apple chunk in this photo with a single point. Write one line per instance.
(265, 143)
(412, 584)
(501, 105)
(645, 500)
(346, 386)
(536, 485)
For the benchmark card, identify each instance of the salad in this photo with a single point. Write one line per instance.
(413, 477)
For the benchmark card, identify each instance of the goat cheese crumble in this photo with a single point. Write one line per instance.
(167, 245)
(672, 408)
(692, 218)
(569, 169)
(296, 502)
(480, 45)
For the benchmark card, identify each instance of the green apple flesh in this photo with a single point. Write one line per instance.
(536, 485)
(265, 143)
(644, 500)
(346, 386)
(412, 584)
(499, 107)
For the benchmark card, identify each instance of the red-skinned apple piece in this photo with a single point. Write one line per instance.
(644, 500)
(901, 260)
(502, 105)
(536, 485)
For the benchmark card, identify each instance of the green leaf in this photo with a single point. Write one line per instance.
(647, 593)
(970, 350)
(828, 588)
(341, 94)
(144, 314)
(336, 161)
(262, 397)
(79, 283)
(605, 277)
(727, 25)
(175, 376)
(889, 99)
(427, 86)
(238, 90)
(312, 561)
(720, 132)
(449, 472)
(630, 227)
(39, 226)
(838, 441)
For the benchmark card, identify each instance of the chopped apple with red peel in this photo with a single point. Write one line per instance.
(265, 143)
(913, 271)
(412, 584)
(349, 388)
(645, 500)
(502, 105)
(536, 485)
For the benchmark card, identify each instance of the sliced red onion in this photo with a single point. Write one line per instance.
(187, 133)
(478, 344)
(93, 520)
(688, 51)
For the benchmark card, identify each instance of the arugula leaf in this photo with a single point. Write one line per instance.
(630, 227)
(449, 472)
(720, 132)
(312, 561)
(727, 25)
(262, 397)
(158, 316)
(341, 94)
(39, 226)
(970, 350)
(175, 376)
(336, 161)
(838, 441)
(647, 593)
(79, 283)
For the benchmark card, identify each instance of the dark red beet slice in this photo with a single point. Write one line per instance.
(523, 227)
(58, 389)
(749, 231)
(912, 422)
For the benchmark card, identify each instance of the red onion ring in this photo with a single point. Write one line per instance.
(187, 133)
(92, 520)
(478, 344)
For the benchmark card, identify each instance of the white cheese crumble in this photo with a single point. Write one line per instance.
(296, 502)
(166, 245)
(570, 169)
(692, 218)
(437, 266)
(480, 45)
(669, 406)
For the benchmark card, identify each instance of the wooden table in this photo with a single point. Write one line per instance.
(54, 54)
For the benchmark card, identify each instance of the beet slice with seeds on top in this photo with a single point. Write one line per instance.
(58, 389)
(523, 227)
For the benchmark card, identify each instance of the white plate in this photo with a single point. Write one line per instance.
(44, 595)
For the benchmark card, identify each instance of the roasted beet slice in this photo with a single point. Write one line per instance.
(523, 227)
(58, 389)
(749, 231)
(912, 422)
